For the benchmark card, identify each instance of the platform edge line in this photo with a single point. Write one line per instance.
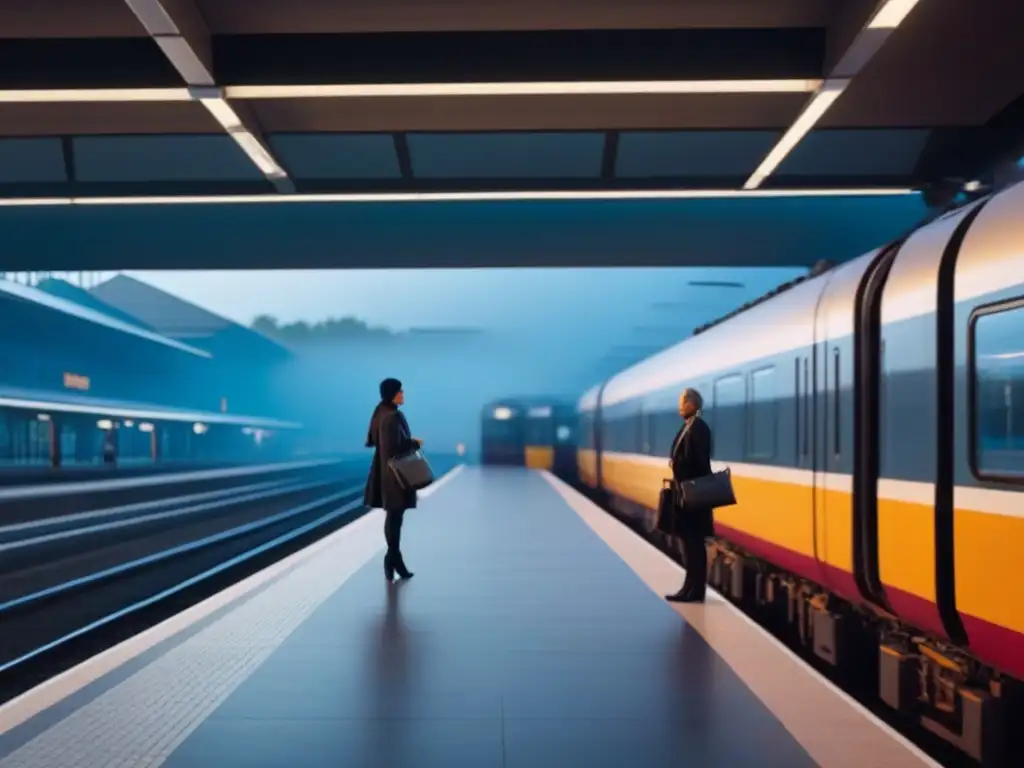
(27, 705)
(572, 497)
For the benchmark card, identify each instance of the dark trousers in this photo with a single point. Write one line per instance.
(695, 559)
(393, 560)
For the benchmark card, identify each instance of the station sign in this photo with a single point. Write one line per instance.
(76, 381)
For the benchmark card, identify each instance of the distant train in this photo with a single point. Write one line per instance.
(873, 420)
(535, 432)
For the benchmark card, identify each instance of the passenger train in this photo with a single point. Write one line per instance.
(39, 428)
(872, 417)
(535, 432)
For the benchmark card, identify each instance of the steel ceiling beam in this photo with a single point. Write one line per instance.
(179, 29)
(883, 18)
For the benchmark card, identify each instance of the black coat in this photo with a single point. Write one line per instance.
(389, 436)
(691, 458)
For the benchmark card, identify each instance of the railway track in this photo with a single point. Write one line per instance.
(133, 569)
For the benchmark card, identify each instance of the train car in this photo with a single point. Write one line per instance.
(534, 432)
(873, 420)
(48, 429)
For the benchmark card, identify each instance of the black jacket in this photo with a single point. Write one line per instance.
(691, 458)
(389, 437)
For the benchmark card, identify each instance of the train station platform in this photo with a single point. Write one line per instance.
(533, 634)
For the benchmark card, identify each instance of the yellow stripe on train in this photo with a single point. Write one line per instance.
(777, 512)
(539, 456)
(988, 549)
(987, 557)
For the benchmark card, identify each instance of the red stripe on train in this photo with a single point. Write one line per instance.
(1001, 647)
(921, 613)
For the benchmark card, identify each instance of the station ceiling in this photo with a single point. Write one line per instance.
(113, 102)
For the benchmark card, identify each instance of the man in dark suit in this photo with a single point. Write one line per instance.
(690, 459)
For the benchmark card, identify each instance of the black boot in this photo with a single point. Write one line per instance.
(686, 597)
(682, 596)
(400, 569)
(389, 569)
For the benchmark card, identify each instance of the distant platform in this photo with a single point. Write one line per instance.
(533, 634)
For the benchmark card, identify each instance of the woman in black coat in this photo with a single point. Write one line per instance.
(690, 459)
(389, 437)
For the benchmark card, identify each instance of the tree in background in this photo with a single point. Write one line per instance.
(329, 330)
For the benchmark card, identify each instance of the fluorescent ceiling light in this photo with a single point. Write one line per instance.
(222, 112)
(341, 91)
(818, 105)
(889, 16)
(154, 17)
(15, 202)
(229, 120)
(440, 197)
(625, 87)
(92, 95)
(258, 154)
(892, 14)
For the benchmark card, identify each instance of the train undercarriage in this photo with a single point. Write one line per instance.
(923, 682)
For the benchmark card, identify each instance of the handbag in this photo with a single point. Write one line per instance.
(668, 507)
(708, 492)
(412, 471)
(666, 519)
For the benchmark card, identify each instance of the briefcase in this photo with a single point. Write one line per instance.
(708, 492)
(412, 471)
(668, 508)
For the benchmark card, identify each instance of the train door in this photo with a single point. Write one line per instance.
(868, 365)
(915, 484)
(832, 372)
(539, 437)
(504, 440)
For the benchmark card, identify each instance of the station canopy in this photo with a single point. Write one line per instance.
(103, 99)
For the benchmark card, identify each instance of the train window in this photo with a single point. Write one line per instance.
(621, 433)
(796, 407)
(884, 423)
(807, 407)
(730, 416)
(761, 420)
(641, 430)
(667, 425)
(998, 402)
(837, 410)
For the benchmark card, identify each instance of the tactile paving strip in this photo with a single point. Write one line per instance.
(139, 722)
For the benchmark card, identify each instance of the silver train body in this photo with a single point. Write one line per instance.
(873, 420)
